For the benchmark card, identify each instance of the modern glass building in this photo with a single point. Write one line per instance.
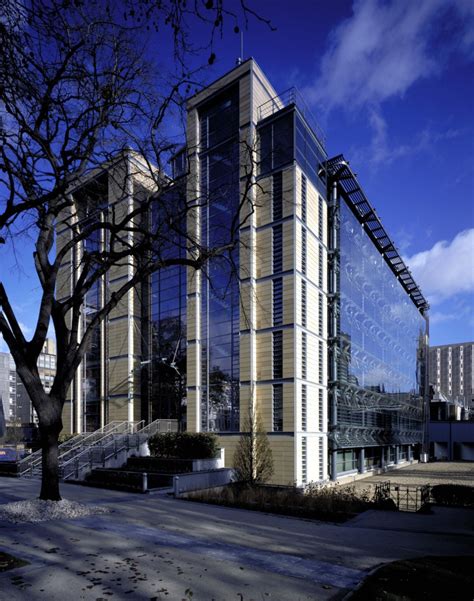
(307, 316)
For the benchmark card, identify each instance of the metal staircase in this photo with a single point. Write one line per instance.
(81, 453)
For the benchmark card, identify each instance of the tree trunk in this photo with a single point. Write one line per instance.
(49, 433)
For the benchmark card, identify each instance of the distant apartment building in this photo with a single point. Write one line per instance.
(8, 386)
(451, 369)
(313, 320)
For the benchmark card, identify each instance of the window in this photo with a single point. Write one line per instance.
(304, 461)
(276, 143)
(278, 249)
(320, 314)
(320, 218)
(320, 411)
(304, 407)
(321, 458)
(303, 250)
(321, 267)
(303, 198)
(303, 303)
(321, 361)
(277, 354)
(277, 407)
(277, 301)
(277, 196)
(304, 352)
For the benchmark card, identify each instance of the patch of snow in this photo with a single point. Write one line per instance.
(38, 510)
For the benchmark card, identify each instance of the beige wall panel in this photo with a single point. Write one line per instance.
(265, 405)
(312, 259)
(191, 364)
(66, 417)
(245, 357)
(264, 356)
(192, 278)
(263, 91)
(244, 100)
(263, 203)
(247, 295)
(312, 313)
(264, 304)
(118, 337)
(191, 318)
(245, 404)
(283, 459)
(191, 130)
(263, 253)
(118, 408)
(191, 410)
(119, 376)
(244, 255)
(63, 282)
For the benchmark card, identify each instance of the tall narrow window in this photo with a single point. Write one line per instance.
(304, 355)
(320, 218)
(321, 266)
(321, 361)
(278, 355)
(303, 303)
(321, 459)
(320, 411)
(320, 315)
(303, 198)
(277, 301)
(278, 249)
(277, 196)
(304, 407)
(304, 461)
(303, 250)
(277, 412)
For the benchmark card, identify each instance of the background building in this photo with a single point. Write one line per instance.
(7, 390)
(451, 368)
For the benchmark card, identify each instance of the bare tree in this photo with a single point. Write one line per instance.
(77, 89)
(253, 459)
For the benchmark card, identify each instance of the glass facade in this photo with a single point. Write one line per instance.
(381, 338)
(287, 136)
(164, 370)
(220, 316)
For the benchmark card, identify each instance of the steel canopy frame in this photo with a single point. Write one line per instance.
(338, 170)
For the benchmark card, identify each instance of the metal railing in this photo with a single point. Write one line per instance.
(31, 466)
(287, 98)
(99, 454)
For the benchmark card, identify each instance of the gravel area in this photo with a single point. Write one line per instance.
(42, 511)
(420, 474)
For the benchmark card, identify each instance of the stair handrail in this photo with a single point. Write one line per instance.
(91, 439)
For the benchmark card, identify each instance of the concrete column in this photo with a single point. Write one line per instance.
(382, 457)
(362, 461)
(410, 453)
(396, 455)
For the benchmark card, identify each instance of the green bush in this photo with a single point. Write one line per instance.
(184, 445)
(453, 494)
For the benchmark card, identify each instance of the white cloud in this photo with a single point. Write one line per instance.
(385, 47)
(447, 269)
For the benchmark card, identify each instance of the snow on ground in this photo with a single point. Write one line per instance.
(41, 511)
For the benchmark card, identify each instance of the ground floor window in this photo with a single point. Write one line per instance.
(346, 461)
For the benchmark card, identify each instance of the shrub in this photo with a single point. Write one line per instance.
(453, 494)
(184, 445)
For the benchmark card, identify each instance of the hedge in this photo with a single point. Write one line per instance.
(453, 494)
(184, 445)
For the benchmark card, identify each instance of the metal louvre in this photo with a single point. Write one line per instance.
(338, 170)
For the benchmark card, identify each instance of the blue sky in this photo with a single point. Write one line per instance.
(392, 85)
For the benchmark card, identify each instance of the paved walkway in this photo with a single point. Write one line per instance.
(153, 547)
